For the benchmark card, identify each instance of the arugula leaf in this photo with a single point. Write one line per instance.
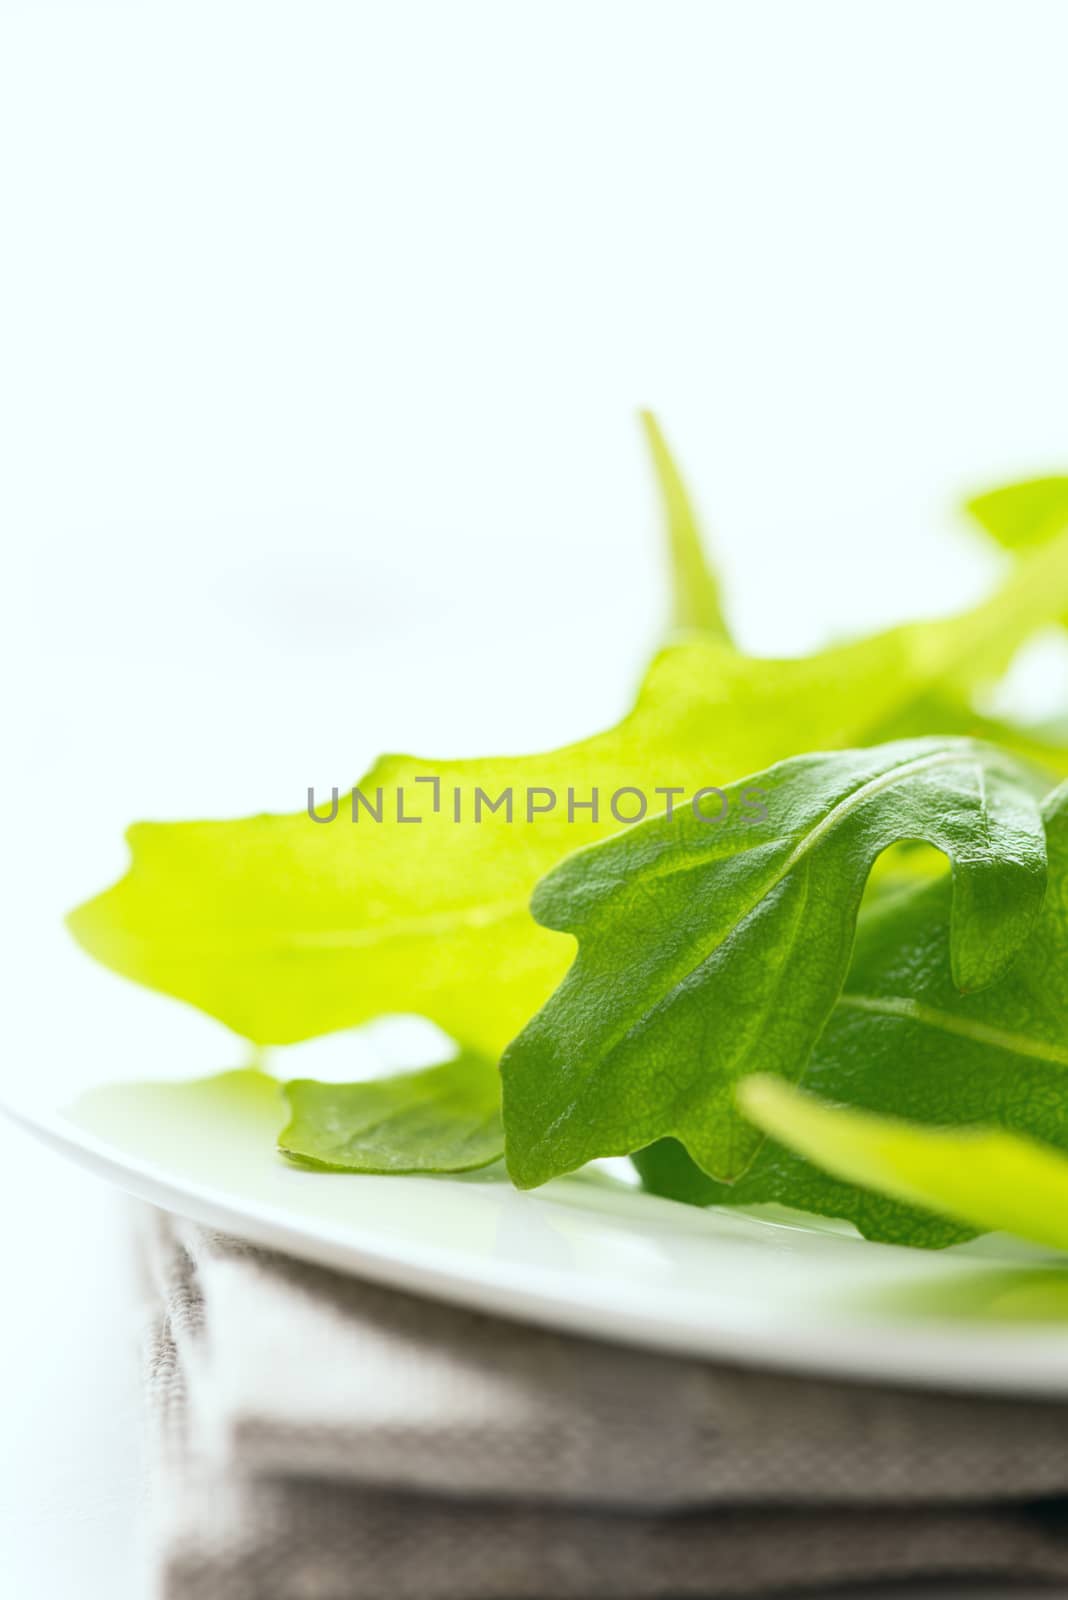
(710, 946)
(284, 930)
(1021, 516)
(781, 1176)
(697, 603)
(902, 1042)
(1044, 745)
(984, 1177)
(443, 1119)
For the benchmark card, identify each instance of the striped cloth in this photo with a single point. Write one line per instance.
(320, 1438)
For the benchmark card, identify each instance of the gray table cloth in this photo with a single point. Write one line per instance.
(320, 1438)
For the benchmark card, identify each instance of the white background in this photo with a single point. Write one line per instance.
(321, 334)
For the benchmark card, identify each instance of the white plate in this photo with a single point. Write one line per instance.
(589, 1253)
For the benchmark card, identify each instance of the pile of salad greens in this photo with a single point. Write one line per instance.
(890, 928)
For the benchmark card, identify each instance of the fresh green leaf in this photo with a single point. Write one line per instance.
(443, 1119)
(781, 1177)
(666, 1170)
(285, 929)
(983, 1177)
(717, 939)
(697, 604)
(1024, 516)
(1044, 745)
(902, 1042)
(1021, 516)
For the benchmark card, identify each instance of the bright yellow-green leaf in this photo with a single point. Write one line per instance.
(980, 1176)
(697, 604)
(1022, 515)
(284, 928)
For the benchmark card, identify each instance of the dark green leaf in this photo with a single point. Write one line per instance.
(709, 949)
(902, 1042)
(985, 1177)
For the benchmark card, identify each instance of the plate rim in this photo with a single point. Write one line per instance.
(1029, 1361)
